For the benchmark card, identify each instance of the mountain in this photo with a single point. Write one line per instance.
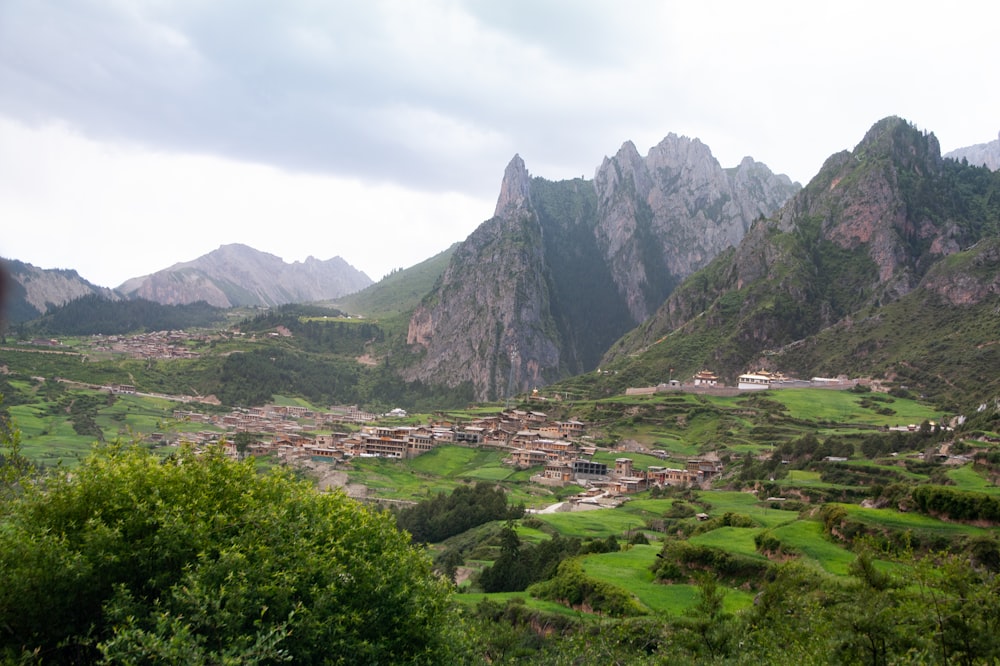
(238, 275)
(398, 292)
(981, 154)
(563, 269)
(890, 224)
(33, 291)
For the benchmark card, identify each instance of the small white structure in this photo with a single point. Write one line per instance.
(754, 382)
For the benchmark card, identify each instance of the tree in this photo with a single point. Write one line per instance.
(508, 573)
(200, 559)
(15, 468)
(709, 625)
(242, 440)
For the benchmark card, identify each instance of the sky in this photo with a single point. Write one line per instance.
(138, 134)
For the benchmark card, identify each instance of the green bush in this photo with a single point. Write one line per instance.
(199, 559)
(573, 587)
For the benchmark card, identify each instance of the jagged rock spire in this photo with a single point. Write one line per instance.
(515, 190)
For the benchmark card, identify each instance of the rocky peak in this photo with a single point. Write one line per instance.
(875, 199)
(564, 268)
(625, 169)
(679, 156)
(515, 190)
(664, 216)
(34, 291)
(905, 145)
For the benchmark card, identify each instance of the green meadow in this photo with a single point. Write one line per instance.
(844, 407)
(591, 524)
(967, 477)
(631, 569)
(442, 469)
(912, 522)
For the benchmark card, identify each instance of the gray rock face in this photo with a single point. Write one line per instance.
(33, 291)
(663, 217)
(236, 275)
(37, 290)
(981, 154)
(563, 269)
(491, 322)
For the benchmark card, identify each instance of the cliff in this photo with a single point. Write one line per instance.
(563, 269)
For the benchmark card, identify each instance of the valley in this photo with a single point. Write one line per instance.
(778, 446)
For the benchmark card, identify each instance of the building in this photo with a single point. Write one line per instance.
(753, 381)
(587, 468)
(705, 378)
(623, 467)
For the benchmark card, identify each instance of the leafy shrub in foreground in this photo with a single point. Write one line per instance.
(198, 559)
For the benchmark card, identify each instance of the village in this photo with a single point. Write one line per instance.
(562, 449)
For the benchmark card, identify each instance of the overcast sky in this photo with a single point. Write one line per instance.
(135, 135)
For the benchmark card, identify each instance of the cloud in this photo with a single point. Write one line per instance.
(127, 211)
(412, 101)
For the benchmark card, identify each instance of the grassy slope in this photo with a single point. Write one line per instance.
(397, 292)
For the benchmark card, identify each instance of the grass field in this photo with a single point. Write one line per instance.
(902, 522)
(631, 569)
(806, 537)
(967, 478)
(737, 540)
(823, 405)
(639, 460)
(441, 470)
(596, 523)
(721, 502)
(473, 598)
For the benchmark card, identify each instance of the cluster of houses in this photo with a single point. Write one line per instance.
(159, 344)
(624, 479)
(528, 439)
(274, 423)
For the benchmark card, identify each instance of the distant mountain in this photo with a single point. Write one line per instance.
(238, 275)
(981, 154)
(563, 269)
(34, 291)
(884, 229)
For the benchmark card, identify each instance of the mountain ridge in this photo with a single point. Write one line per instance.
(872, 227)
(232, 275)
(237, 275)
(564, 268)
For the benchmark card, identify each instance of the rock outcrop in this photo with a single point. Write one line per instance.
(34, 291)
(663, 217)
(490, 319)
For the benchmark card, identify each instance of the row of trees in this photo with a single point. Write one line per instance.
(97, 315)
